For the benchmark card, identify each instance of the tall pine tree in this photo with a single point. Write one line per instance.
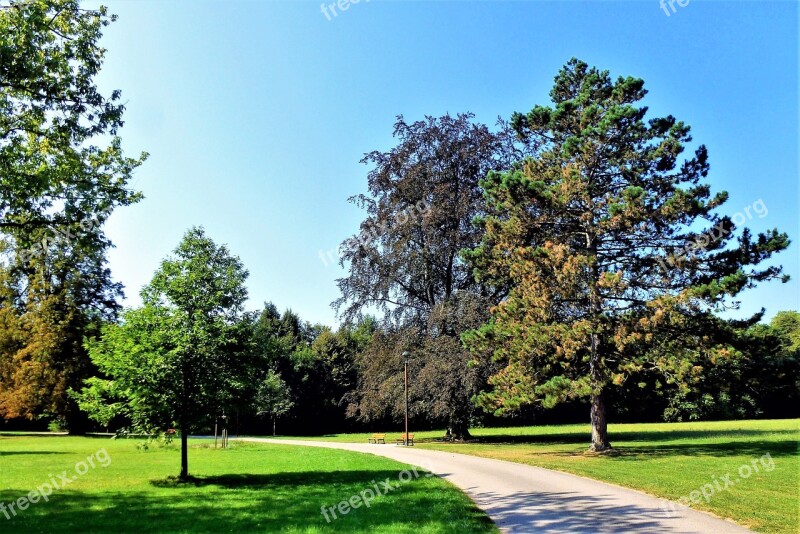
(613, 247)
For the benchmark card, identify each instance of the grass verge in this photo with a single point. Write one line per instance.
(245, 488)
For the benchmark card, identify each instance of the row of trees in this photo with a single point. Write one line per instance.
(540, 272)
(191, 355)
(543, 250)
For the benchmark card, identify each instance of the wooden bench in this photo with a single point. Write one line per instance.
(377, 438)
(402, 439)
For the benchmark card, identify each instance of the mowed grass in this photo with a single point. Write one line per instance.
(245, 488)
(669, 460)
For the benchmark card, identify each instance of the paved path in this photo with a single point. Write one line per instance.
(524, 499)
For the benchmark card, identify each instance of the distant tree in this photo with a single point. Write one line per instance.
(758, 376)
(336, 352)
(443, 379)
(177, 359)
(771, 374)
(315, 362)
(612, 247)
(422, 197)
(786, 324)
(274, 398)
(28, 381)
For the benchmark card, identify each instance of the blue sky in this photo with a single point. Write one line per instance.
(256, 113)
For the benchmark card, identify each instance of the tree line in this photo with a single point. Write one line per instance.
(522, 267)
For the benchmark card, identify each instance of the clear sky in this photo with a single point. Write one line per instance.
(256, 113)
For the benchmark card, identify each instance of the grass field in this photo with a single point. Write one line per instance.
(245, 488)
(668, 460)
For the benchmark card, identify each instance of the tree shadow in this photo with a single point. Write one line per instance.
(524, 512)
(744, 448)
(281, 502)
(35, 453)
(787, 448)
(580, 437)
(33, 435)
(294, 479)
(632, 446)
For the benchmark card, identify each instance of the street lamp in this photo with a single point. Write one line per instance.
(406, 356)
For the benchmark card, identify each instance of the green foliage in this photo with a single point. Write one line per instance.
(50, 112)
(786, 325)
(175, 360)
(585, 233)
(756, 377)
(315, 364)
(274, 397)
(56, 426)
(100, 400)
(62, 173)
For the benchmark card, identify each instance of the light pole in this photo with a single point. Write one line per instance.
(406, 355)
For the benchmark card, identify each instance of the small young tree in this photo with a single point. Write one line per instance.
(273, 398)
(613, 247)
(176, 359)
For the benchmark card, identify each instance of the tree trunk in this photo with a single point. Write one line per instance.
(599, 425)
(273, 426)
(458, 429)
(184, 451)
(598, 410)
(77, 422)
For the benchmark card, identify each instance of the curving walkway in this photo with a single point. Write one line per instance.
(524, 499)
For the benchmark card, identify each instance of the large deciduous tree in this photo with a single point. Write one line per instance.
(179, 358)
(51, 172)
(62, 173)
(614, 248)
(422, 197)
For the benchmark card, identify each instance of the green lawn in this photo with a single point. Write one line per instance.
(246, 488)
(666, 459)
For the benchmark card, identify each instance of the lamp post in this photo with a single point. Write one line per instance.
(406, 355)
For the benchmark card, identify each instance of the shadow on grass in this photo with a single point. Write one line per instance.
(292, 502)
(579, 437)
(282, 502)
(34, 453)
(745, 448)
(753, 449)
(33, 435)
(266, 481)
(658, 443)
